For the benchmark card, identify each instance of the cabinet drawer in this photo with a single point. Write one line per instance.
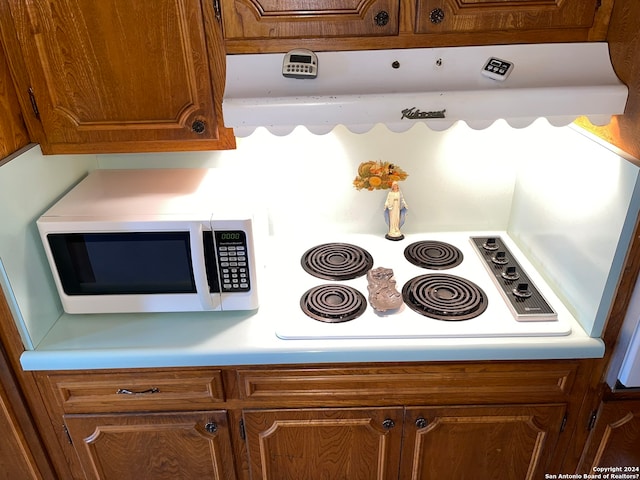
(448, 16)
(117, 392)
(438, 384)
(256, 19)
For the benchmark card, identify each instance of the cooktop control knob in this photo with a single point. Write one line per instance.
(490, 244)
(500, 258)
(510, 273)
(522, 290)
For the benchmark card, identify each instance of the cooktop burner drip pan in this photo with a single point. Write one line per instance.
(444, 297)
(433, 255)
(337, 261)
(333, 303)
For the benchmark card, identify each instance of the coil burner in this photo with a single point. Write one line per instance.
(332, 303)
(336, 261)
(433, 255)
(444, 297)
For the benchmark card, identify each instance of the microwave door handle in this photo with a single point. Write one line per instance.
(199, 269)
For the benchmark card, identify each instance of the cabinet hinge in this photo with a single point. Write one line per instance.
(216, 9)
(34, 105)
(243, 434)
(66, 431)
(564, 423)
(592, 420)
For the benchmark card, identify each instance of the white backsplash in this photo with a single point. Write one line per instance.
(573, 212)
(28, 185)
(459, 179)
(456, 179)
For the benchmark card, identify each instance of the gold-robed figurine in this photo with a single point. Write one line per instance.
(382, 176)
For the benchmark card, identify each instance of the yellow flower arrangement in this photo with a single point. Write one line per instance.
(378, 175)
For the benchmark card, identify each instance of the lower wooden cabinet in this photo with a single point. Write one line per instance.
(615, 439)
(478, 442)
(433, 420)
(22, 455)
(187, 445)
(324, 443)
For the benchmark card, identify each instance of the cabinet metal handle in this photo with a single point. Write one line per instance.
(216, 9)
(388, 424)
(126, 391)
(198, 127)
(421, 422)
(381, 18)
(436, 15)
(211, 427)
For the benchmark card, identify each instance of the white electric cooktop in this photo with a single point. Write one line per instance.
(292, 281)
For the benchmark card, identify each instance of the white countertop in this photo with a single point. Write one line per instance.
(248, 338)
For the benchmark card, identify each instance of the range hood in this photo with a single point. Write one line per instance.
(437, 86)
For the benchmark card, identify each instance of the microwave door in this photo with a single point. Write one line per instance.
(100, 272)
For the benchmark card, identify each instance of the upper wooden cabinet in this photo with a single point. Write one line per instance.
(118, 76)
(434, 16)
(304, 18)
(375, 24)
(13, 131)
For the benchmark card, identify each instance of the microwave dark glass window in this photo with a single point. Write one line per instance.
(123, 263)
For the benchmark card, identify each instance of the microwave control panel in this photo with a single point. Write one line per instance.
(232, 261)
(227, 261)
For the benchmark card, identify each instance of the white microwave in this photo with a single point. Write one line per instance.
(151, 240)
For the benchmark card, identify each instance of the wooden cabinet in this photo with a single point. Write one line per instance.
(500, 420)
(497, 442)
(13, 131)
(118, 76)
(278, 26)
(265, 19)
(153, 445)
(450, 16)
(615, 438)
(173, 426)
(324, 443)
(22, 455)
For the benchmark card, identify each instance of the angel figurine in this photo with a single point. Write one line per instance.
(395, 210)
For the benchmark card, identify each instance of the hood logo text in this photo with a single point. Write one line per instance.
(414, 113)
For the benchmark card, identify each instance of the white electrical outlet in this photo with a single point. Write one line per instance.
(497, 69)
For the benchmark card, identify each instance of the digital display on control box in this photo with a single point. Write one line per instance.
(235, 237)
(300, 59)
(230, 236)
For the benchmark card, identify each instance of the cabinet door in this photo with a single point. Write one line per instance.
(443, 16)
(120, 75)
(22, 455)
(255, 19)
(497, 442)
(352, 444)
(615, 440)
(13, 131)
(158, 446)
